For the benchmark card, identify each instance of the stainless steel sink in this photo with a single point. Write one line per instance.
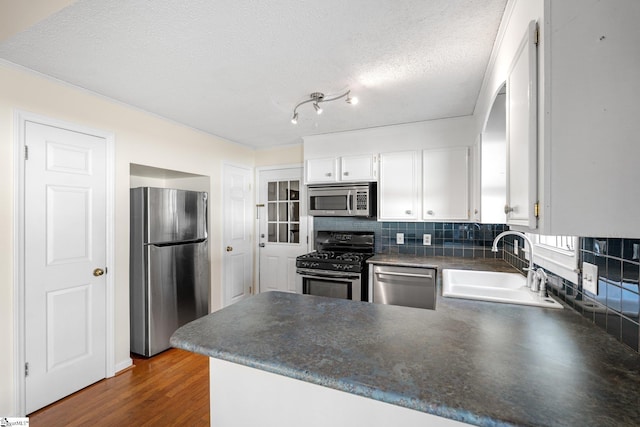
(510, 288)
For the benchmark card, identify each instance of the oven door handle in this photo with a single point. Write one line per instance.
(349, 202)
(326, 275)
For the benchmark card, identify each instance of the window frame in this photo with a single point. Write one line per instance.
(562, 262)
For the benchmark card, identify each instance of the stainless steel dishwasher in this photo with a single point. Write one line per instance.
(406, 286)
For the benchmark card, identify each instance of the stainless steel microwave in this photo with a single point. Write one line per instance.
(342, 199)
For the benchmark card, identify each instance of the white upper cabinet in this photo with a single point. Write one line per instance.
(590, 148)
(341, 169)
(521, 133)
(359, 168)
(399, 186)
(572, 117)
(321, 170)
(445, 184)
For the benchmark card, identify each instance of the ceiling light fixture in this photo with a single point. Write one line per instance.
(317, 98)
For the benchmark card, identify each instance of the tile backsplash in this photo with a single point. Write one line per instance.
(468, 240)
(616, 306)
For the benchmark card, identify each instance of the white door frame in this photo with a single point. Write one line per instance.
(20, 119)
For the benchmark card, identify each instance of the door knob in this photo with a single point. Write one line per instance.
(98, 272)
(508, 209)
(229, 248)
(262, 245)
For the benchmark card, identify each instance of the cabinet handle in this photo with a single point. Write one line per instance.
(328, 174)
(429, 212)
(345, 173)
(507, 209)
(408, 211)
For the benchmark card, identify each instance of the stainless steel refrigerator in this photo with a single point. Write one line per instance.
(169, 266)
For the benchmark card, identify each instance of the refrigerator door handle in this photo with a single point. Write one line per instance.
(177, 243)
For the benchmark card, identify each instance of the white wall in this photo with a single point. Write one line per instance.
(494, 164)
(454, 132)
(140, 138)
(285, 155)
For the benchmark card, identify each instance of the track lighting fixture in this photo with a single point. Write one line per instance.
(317, 98)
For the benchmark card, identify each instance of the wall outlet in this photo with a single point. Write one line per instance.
(426, 239)
(400, 238)
(515, 247)
(590, 278)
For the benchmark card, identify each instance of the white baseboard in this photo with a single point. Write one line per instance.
(121, 366)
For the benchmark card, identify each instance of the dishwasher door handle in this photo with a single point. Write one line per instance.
(390, 273)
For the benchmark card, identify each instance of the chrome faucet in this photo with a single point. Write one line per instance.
(541, 281)
(530, 271)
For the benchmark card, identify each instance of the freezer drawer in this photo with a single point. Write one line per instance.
(405, 286)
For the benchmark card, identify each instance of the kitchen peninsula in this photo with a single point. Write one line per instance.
(469, 362)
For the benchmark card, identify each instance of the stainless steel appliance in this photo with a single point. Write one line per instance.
(169, 267)
(406, 286)
(337, 268)
(342, 199)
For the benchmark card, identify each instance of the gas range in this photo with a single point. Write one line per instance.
(333, 261)
(337, 267)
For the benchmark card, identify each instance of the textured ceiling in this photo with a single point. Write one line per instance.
(236, 69)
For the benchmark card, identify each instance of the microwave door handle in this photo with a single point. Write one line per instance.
(349, 202)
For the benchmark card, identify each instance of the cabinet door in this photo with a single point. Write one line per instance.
(321, 170)
(522, 172)
(445, 186)
(399, 186)
(358, 168)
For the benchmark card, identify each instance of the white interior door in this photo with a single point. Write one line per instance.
(282, 228)
(65, 258)
(238, 251)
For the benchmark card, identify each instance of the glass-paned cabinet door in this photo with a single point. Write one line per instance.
(283, 211)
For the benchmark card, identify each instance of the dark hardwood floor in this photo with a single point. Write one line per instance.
(171, 388)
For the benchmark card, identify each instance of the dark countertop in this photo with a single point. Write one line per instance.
(482, 363)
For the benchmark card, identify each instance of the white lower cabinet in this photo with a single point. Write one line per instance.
(278, 401)
(445, 184)
(399, 186)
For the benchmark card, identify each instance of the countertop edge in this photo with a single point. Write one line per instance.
(348, 387)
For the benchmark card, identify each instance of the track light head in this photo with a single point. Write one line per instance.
(317, 108)
(294, 119)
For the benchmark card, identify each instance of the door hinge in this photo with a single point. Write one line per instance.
(26, 152)
(26, 369)
(536, 209)
(250, 290)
